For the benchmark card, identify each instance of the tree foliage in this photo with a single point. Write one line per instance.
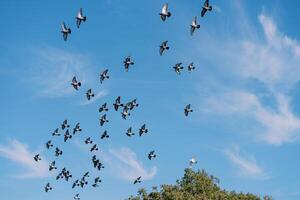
(194, 186)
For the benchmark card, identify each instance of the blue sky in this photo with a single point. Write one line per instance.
(244, 92)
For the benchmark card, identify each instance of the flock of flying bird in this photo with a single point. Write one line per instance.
(82, 181)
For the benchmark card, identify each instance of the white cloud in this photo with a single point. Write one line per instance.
(52, 70)
(247, 165)
(126, 164)
(97, 96)
(20, 154)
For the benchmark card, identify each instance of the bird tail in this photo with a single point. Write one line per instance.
(84, 18)
(79, 84)
(169, 14)
(167, 48)
(198, 26)
(210, 8)
(69, 31)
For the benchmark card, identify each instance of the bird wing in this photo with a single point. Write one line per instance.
(206, 3)
(78, 22)
(65, 36)
(164, 9)
(203, 12)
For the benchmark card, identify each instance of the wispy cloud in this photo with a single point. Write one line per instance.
(52, 70)
(126, 164)
(97, 96)
(247, 165)
(19, 153)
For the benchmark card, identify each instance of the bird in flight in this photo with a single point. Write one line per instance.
(151, 155)
(94, 148)
(129, 132)
(76, 84)
(187, 110)
(67, 135)
(49, 144)
(65, 31)
(52, 166)
(127, 62)
(194, 25)
(143, 130)
(103, 108)
(205, 7)
(48, 187)
(77, 128)
(97, 180)
(193, 161)
(80, 18)
(164, 12)
(37, 157)
(76, 197)
(178, 67)
(118, 103)
(55, 133)
(88, 141)
(137, 180)
(104, 76)
(65, 125)
(164, 46)
(125, 113)
(89, 94)
(103, 120)
(58, 152)
(191, 67)
(104, 135)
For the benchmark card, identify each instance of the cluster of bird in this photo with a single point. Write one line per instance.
(125, 113)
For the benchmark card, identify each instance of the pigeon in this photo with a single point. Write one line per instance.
(49, 144)
(194, 25)
(80, 18)
(104, 135)
(97, 164)
(94, 148)
(129, 132)
(65, 125)
(37, 157)
(58, 152)
(187, 110)
(104, 76)
(125, 112)
(75, 83)
(143, 130)
(76, 197)
(48, 187)
(88, 141)
(77, 128)
(59, 176)
(96, 181)
(55, 133)
(117, 103)
(164, 12)
(103, 108)
(66, 174)
(193, 161)
(205, 7)
(127, 62)
(137, 180)
(133, 104)
(151, 155)
(83, 182)
(100, 166)
(178, 67)
(52, 166)
(164, 46)
(67, 135)
(65, 31)
(76, 183)
(89, 94)
(191, 67)
(86, 175)
(103, 120)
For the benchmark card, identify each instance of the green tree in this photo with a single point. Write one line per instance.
(194, 186)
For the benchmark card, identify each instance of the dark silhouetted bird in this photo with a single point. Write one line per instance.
(37, 157)
(103, 120)
(56, 133)
(143, 130)
(77, 128)
(164, 46)
(193, 161)
(178, 67)
(76, 183)
(76, 197)
(65, 31)
(103, 108)
(205, 7)
(67, 135)
(94, 148)
(127, 62)
(88, 141)
(187, 110)
(137, 180)
(191, 67)
(104, 135)
(80, 18)
(52, 166)
(151, 155)
(58, 152)
(49, 144)
(65, 125)
(104, 76)
(75, 83)
(131, 105)
(47, 187)
(97, 180)
(118, 103)
(129, 132)
(164, 12)
(125, 113)
(89, 94)
(194, 25)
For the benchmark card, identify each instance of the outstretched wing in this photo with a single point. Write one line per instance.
(203, 12)
(164, 9)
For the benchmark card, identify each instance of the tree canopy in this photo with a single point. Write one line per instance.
(194, 185)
